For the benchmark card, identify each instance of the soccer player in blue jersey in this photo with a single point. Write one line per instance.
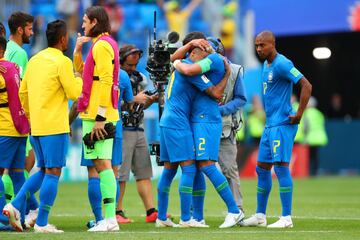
(206, 125)
(279, 76)
(176, 139)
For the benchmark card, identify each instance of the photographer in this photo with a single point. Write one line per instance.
(135, 148)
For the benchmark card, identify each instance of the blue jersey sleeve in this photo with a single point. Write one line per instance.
(201, 82)
(287, 70)
(212, 62)
(126, 92)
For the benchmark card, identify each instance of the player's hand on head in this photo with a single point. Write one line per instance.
(200, 43)
(295, 119)
(98, 130)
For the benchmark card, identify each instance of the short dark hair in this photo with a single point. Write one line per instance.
(19, 19)
(54, 31)
(3, 43)
(103, 23)
(2, 29)
(193, 35)
(128, 49)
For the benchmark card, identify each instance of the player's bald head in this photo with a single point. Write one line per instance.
(265, 45)
(267, 36)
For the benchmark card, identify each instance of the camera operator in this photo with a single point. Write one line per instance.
(135, 148)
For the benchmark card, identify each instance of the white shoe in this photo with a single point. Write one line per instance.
(232, 219)
(14, 216)
(283, 222)
(30, 219)
(106, 225)
(203, 223)
(47, 229)
(166, 223)
(256, 220)
(193, 224)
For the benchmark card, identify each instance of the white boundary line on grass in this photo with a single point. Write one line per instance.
(228, 232)
(219, 216)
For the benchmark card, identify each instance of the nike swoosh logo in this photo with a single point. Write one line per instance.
(200, 154)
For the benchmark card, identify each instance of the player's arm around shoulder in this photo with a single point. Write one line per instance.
(72, 84)
(187, 69)
(217, 91)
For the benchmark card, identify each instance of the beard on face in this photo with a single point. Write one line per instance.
(25, 39)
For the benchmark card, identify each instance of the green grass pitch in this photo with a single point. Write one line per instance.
(323, 208)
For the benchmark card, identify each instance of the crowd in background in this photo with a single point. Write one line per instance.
(132, 22)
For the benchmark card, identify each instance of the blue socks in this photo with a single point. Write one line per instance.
(95, 197)
(186, 190)
(18, 179)
(31, 186)
(48, 193)
(263, 188)
(163, 192)
(222, 187)
(3, 219)
(198, 196)
(286, 188)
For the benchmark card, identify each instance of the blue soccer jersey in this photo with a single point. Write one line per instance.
(180, 95)
(206, 109)
(126, 94)
(278, 79)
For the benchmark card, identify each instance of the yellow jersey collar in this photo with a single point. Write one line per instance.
(96, 38)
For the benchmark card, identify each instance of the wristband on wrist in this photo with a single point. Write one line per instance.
(176, 62)
(99, 118)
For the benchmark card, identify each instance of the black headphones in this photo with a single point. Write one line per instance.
(125, 52)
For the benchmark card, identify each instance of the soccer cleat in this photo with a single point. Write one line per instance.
(283, 222)
(166, 223)
(232, 219)
(152, 217)
(14, 216)
(106, 225)
(256, 220)
(122, 219)
(193, 224)
(30, 219)
(47, 229)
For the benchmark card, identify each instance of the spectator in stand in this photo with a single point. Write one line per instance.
(176, 16)
(116, 15)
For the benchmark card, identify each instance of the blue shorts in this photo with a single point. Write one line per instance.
(12, 151)
(207, 140)
(276, 144)
(51, 150)
(116, 159)
(176, 145)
